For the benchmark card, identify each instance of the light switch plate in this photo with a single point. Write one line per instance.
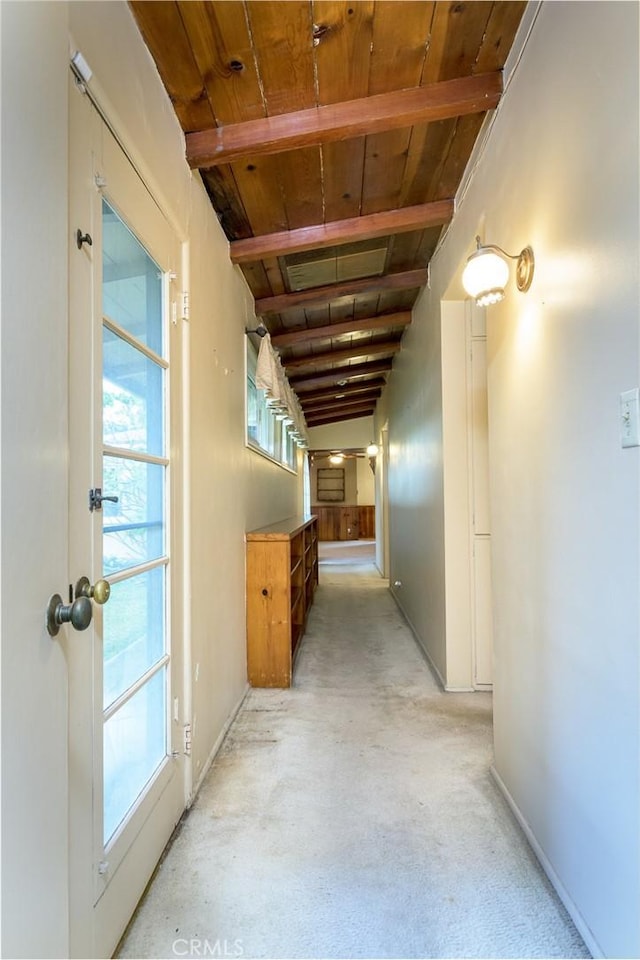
(630, 418)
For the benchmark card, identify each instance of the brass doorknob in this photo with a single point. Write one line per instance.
(100, 591)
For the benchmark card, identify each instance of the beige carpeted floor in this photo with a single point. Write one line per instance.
(346, 551)
(353, 815)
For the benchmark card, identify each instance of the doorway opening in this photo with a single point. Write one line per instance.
(343, 497)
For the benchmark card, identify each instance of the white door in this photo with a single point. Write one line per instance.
(126, 771)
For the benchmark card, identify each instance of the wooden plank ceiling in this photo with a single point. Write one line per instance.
(331, 137)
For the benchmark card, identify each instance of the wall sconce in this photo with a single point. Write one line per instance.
(336, 458)
(487, 272)
(372, 449)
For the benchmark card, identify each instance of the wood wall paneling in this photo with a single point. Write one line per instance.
(345, 522)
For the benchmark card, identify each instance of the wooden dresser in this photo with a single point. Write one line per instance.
(282, 574)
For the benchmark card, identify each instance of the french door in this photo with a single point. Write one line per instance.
(126, 773)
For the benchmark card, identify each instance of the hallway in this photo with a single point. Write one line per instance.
(353, 815)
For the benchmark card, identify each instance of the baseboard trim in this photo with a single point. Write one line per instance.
(425, 652)
(416, 637)
(571, 908)
(216, 747)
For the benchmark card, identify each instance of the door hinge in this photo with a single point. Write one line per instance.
(187, 739)
(185, 305)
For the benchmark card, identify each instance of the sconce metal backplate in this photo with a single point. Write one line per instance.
(524, 269)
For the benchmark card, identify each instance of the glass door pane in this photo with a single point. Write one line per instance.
(134, 547)
(134, 747)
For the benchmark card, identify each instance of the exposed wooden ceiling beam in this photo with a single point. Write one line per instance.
(363, 408)
(309, 381)
(354, 415)
(338, 411)
(344, 121)
(323, 235)
(331, 403)
(338, 408)
(308, 334)
(409, 280)
(322, 453)
(348, 390)
(356, 352)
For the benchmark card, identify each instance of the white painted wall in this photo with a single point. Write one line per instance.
(381, 437)
(348, 433)
(232, 488)
(559, 171)
(366, 491)
(34, 477)
(457, 514)
(413, 401)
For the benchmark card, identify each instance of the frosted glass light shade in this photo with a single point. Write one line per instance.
(485, 277)
(372, 450)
